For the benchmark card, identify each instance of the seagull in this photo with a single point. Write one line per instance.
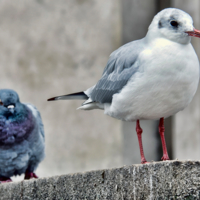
(21, 137)
(148, 79)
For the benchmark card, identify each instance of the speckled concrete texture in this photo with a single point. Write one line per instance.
(158, 180)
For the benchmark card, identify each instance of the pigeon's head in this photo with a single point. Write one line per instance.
(9, 102)
(173, 24)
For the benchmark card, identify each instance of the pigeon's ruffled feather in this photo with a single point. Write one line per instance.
(26, 150)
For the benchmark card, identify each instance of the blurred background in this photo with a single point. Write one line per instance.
(50, 48)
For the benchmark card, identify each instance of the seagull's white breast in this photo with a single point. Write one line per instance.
(165, 83)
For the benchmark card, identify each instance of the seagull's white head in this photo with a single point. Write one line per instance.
(173, 24)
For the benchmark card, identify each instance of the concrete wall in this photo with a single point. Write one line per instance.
(182, 130)
(49, 48)
(136, 17)
(162, 180)
(186, 124)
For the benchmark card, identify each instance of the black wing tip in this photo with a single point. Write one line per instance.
(52, 99)
(78, 94)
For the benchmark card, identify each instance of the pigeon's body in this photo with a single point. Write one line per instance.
(151, 78)
(21, 136)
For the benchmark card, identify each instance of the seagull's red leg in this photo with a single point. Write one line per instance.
(5, 179)
(29, 175)
(161, 131)
(139, 134)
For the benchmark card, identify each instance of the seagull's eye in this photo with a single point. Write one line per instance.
(174, 23)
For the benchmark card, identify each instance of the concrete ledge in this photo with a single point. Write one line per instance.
(158, 180)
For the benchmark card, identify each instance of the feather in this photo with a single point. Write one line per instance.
(78, 95)
(120, 68)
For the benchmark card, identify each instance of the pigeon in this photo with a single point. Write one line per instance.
(148, 79)
(22, 141)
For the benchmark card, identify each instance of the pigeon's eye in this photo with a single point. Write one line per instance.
(174, 23)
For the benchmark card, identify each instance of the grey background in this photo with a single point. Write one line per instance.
(49, 48)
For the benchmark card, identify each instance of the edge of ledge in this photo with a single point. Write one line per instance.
(167, 179)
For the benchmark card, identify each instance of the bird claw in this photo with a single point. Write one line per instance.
(3, 180)
(30, 175)
(144, 162)
(165, 157)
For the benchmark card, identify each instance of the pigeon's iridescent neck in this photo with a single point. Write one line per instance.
(17, 128)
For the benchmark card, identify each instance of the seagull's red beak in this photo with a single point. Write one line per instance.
(195, 33)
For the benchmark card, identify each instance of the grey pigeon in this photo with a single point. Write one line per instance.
(22, 141)
(151, 78)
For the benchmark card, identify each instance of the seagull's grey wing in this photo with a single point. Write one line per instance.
(121, 65)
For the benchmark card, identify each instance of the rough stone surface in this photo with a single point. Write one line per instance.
(159, 180)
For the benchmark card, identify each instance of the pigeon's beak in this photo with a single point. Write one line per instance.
(195, 33)
(11, 108)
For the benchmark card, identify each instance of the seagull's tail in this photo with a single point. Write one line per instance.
(78, 95)
(87, 105)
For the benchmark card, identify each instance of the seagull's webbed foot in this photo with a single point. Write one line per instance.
(165, 157)
(30, 175)
(144, 162)
(5, 179)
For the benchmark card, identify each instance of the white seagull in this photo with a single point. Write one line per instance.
(151, 78)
